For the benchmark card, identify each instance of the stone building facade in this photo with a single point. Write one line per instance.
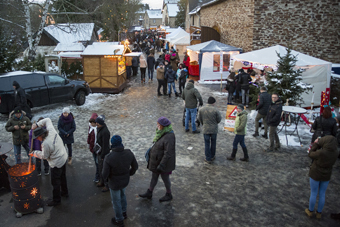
(308, 26)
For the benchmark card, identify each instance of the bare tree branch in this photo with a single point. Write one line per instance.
(12, 23)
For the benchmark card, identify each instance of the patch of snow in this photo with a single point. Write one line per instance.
(103, 48)
(211, 82)
(69, 47)
(154, 13)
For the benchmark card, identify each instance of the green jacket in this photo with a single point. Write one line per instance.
(190, 96)
(241, 123)
(20, 136)
(209, 116)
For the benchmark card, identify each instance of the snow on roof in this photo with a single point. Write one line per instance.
(15, 73)
(209, 3)
(172, 10)
(154, 13)
(103, 48)
(70, 33)
(194, 11)
(69, 47)
(70, 54)
(171, 1)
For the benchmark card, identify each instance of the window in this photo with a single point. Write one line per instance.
(226, 62)
(154, 21)
(56, 80)
(193, 20)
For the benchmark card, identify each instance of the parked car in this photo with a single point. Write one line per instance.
(41, 89)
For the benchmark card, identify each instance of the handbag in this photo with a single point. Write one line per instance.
(147, 154)
(97, 148)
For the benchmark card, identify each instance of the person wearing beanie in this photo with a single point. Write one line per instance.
(273, 120)
(162, 158)
(262, 110)
(119, 165)
(66, 127)
(91, 141)
(103, 141)
(209, 116)
(19, 125)
(240, 131)
(190, 96)
(20, 99)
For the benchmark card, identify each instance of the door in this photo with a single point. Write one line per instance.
(59, 88)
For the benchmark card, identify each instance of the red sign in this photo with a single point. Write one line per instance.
(325, 97)
(233, 113)
(305, 119)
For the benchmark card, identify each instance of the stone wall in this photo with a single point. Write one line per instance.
(309, 26)
(233, 19)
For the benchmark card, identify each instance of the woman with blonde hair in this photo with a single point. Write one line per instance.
(143, 65)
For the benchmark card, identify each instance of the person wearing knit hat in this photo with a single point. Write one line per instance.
(209, 116)
(119, 165)
(240, 131)
(191, 81)
(66, 127)
(91, 141)
(162, 158)
(100, 120)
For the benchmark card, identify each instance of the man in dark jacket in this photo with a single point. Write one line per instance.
(135, 65)
(182, 80)
(244, 79)
(117, 170)
(273, 120)
(262, 108)
(170, 77)
(151, 64)
(20, 99)
(19, 125)
(190, 96)
(103, 140)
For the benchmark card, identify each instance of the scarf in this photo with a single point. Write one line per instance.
(95, 132)
(160, 133)
(67, 119)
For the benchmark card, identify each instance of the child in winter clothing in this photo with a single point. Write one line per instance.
(240, 131)
(91, 141)
(66, 127)
(36, 146)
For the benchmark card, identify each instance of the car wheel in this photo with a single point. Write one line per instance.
(80, 98)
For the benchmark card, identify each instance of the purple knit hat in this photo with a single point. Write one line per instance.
(164, 121)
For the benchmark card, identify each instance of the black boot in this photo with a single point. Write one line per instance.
(147, 194)
(246, 157)
(167, 197)
(233, 154)
(117, 223)
(256, 134)
(169, 95)
(176, 94)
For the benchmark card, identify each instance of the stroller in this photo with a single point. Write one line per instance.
(196, 120)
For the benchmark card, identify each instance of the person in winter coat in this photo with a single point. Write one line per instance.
(231, 84)
(167, 57)
(170, 76)
(262, 108)
(190, 96)
(134, 65)
(182, 80)
(244, 79)
(186, 60)
(128, 67)
(324, 124)
(119, 165)
(160, 79)
(20, 99)
(19, 125)
(53, 150)
(240, 130)
(66, 127)
(91, 141)
(209, 116)
(162, 158)
(143, 65)
(324, 153)
(151, 64)
(36, 146)
(158, 61)
(273, 120)
(167, 46)
(103, 140)
(174, 60)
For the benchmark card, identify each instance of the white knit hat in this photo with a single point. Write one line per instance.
(66, 110)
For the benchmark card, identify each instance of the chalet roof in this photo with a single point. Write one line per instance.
(69, 47)
(154, 13)
(70, 33)
(194, 3)
(104, 48)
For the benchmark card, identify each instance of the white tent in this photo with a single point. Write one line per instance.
(176, 34)
(317, 72)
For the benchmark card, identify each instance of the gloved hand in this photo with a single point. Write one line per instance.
(160, 168)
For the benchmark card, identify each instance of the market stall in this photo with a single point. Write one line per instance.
(316, 72)
(205, 60)
(104, 67)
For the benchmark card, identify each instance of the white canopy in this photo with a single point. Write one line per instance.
(317, 72)
(179, 32)
(184, 40)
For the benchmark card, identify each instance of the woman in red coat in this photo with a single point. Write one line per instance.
(186, 60)
(91, 141)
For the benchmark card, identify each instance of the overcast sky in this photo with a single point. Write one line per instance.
(154, 4)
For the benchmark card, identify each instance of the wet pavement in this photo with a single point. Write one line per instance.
(272, 189)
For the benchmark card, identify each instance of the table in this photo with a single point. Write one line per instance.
(287, 110)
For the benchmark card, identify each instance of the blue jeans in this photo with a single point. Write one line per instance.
(238, 139)
(118, 200)
(190, 113)
(173, 86)
(316, 186)
(17, 152)
(210, 146)
(150, 73)
(97, 177)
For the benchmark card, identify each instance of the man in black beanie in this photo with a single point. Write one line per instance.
(209, 116)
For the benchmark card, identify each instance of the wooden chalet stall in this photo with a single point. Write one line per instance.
(104, 66)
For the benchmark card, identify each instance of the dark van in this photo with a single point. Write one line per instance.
(41, 89)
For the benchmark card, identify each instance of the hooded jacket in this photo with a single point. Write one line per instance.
(20, 136)
(274, 113)
(324, 153)
(241, 123)
(190, 96)
(160, 73)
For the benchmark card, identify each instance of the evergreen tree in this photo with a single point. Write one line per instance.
(286, 81)
(9, 51)
(180, 17)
